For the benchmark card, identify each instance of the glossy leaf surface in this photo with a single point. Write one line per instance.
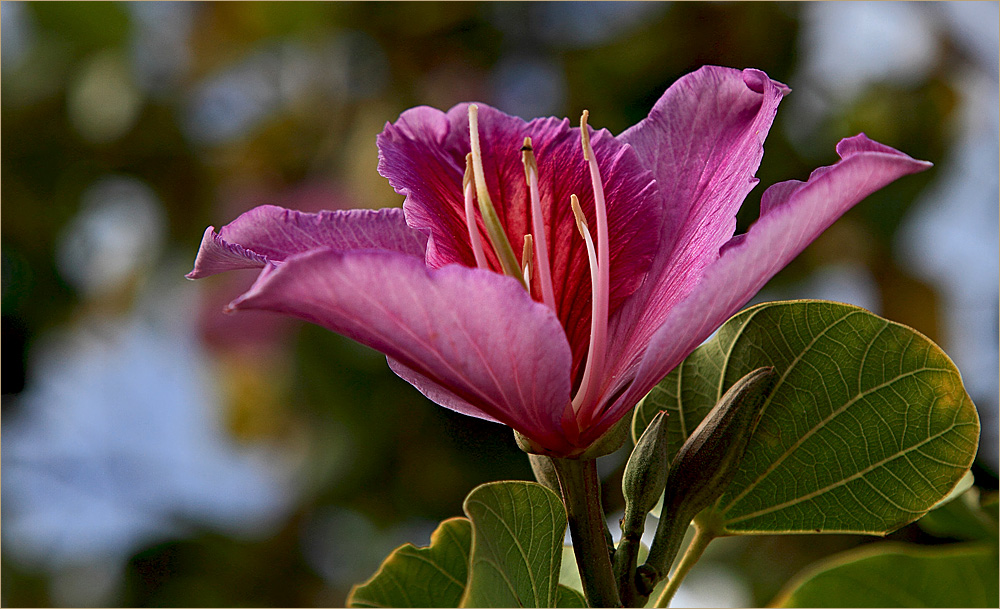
(868, 428)
(518, 532)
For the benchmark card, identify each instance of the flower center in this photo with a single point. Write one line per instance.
(535, 258)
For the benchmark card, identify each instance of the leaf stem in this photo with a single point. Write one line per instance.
(581, 491)
(704, 533)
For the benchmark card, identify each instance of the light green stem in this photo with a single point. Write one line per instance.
(703, 536)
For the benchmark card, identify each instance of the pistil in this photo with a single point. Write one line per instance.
(542, 268)
(494, 229)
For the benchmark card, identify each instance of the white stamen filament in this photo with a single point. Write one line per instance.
(534, 257)
(470, 216)
(600, 279)
(542, 268)
(588, 372)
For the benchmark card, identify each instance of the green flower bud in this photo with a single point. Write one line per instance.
(704, 467)
(708, 460)
(545, 472)
(645, 475)
(642, 484)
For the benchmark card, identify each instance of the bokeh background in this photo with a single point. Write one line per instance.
(158, 452)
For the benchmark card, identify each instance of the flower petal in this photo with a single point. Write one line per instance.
(500, 355)
(270, 234)
(793, 214)
(703, 141)
(423, 156)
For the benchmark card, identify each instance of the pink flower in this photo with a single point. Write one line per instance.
(559, 334)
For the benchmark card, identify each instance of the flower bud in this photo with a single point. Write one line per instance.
(545, 472)
(704, 467)
(642, 485)
(708, 460)
(645, 474)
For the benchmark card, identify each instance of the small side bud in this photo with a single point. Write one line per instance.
(642, 485)
(545, 472)
(645, 474)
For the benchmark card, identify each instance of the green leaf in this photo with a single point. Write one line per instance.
(967, 481)
(899, 575)
(868, 427)
(518, 530)
(962, 518)
(569, 572)
(433, 576)
(568, 597)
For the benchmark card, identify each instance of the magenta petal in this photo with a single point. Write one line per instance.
(703, 141)
(216, 255)
(500, 355)
(270, 234)
(793, 214)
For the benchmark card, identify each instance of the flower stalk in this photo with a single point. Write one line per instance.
(581, 490)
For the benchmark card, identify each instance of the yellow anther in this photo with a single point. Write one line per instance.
(581, 220)
(528, 158)
(468, 177)
(527, 258)
(585, 135)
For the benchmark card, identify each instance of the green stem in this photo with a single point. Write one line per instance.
(703, 535)
(624, 567)
(581, 490)
(666, 543)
